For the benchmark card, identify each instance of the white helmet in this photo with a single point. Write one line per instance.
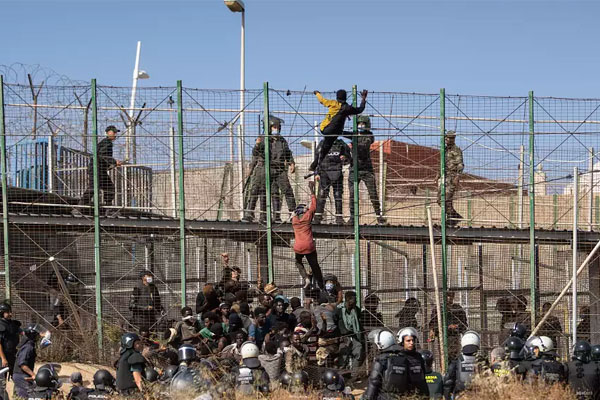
(546, 344)
(249, 350)
(408, 331)
(470, 342)
(384, 340)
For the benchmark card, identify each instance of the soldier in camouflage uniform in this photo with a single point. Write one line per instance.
(454, 167)
(256, 183)
(281, 157)
(365, 167)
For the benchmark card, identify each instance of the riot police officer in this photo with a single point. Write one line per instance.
(46, 383)
(407, 339)
(188, 381)
(512, 365)
(545, 366)
(582, 374)
(333, 386)
(330, 175)
(10, 331)
(104, 385)
(250, 377)
(25, 361)
(462, 370)
(389, 376)
(131, 365)
(365, 167)
(435, 380)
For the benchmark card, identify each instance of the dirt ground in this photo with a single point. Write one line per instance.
(87, 372)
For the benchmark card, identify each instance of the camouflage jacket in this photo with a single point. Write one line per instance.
(454, 160)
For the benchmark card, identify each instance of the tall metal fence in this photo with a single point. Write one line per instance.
(528, 197)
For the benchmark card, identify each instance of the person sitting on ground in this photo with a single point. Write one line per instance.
(278, 313)
(271, 361)
(260, 327)
(297, 307)
(234, 349)
(296, 355)
(188, 329)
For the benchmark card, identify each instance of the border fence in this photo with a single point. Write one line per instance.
(528, 198)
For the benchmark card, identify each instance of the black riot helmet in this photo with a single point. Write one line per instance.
(519, 330)
(595, 352)
(4, 307)
(285, 378)
(188, 381)
(186, 353)
(513, 346)
(47, 377)
(427, 357)
(582, 351)
(150, 374)
(33, 331)
(103, 380)
(128, 340)
(299, 380)
(332, 380)
(169, 373)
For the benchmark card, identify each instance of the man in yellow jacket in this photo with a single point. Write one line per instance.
(333, 124)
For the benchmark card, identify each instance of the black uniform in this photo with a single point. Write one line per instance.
(41, 393)
(105, 162)
(26, 356)
(98, 394)
(142, 297)
(331, 175)
(584, 379)
(129, 362)
(396, 374)
(10, 330)
(365, 171)
(78, 393)
(548, 368)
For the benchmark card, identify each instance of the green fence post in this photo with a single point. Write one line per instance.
(181, 193)
(4, 193)
(97, 243)
(532, 263)
(443, 221)
(267, 132)
(357, 277)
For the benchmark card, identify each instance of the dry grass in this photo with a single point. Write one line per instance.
(491, 387)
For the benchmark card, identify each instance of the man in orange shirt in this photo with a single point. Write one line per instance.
(304, 244)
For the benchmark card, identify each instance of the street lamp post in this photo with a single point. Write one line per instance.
(130, 144)
(238, 6)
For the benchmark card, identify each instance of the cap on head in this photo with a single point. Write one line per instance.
(270, 288)
(341, 95)
(451, 134)
(111, 128)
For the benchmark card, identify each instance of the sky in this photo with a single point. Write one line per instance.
(469, 47)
